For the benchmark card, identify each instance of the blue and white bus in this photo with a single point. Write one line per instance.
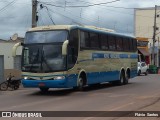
(71, 56)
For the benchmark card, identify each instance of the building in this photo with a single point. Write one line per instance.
(143, 52)
(144, 22)
(8, 64)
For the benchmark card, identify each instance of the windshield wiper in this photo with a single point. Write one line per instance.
(43, 60)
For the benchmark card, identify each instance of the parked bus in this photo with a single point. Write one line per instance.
(70, 56)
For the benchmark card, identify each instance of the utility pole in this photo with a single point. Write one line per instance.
(154, 36)
(34, 13)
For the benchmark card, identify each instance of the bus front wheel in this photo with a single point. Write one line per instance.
(80, 84)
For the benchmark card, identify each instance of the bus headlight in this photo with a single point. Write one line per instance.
(26, 78)
(59, 77)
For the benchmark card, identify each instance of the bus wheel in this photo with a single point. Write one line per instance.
(44, 90)
(126, 78)
(122, 79)
(80, 84)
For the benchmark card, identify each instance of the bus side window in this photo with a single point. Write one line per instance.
(73, 48)
(112, 42)
(84, 40)
(134, 44)
(126, 44)
(131, 44)
(119, 43)
(104, 42)
(94, 40)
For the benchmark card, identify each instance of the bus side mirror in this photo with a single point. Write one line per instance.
(64, 47)
(14, 49)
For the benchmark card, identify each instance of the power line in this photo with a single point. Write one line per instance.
(81, 5)
(104, 8)
(82, 23)
(2, 9)
(65, 16)
(41, 6)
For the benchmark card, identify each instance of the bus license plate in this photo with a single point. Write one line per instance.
(41, 84)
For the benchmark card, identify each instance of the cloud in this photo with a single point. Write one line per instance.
(16, 18)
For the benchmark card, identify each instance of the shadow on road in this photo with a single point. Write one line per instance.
(64, 92)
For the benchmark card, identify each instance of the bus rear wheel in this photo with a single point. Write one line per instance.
(121, 81)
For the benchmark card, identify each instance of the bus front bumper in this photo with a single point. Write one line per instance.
(45, 83)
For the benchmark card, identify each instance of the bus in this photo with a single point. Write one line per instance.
(72, 56)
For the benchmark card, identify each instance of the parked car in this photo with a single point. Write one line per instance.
(142, 68)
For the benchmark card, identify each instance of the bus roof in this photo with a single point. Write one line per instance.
(69, 27)
(52, 27)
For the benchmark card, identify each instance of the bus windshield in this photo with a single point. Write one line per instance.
(43, 58)
(46, 36)
(42, 51)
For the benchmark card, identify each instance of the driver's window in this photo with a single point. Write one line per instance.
(73, 48)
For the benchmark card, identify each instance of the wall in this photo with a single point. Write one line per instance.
(6, 50)
(144, 22)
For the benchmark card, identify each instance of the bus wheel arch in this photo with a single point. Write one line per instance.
(82, 80)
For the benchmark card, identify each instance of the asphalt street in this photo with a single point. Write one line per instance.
(141, 92)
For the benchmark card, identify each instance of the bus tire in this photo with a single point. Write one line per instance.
(121, 81)
(44, 90)
(126, 79)
(80, 84)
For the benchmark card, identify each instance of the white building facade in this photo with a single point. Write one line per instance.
(8, 64)
(144, 26)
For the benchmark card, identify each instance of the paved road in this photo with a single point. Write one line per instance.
(141, 92)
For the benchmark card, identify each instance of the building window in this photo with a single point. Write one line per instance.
(17, 62)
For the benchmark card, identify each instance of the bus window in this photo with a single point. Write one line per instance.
(131, 44)
(104, 42)
(94, 40)
(134, 44)
(126, 44)
(73, 48)
(112, 42)
(119, 43)
(85, 43)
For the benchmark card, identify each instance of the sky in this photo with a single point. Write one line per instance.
(15, 15)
